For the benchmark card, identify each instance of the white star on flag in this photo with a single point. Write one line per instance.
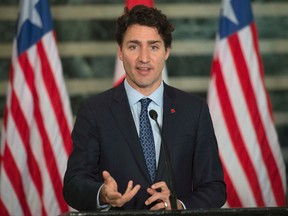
(34, 18)
(228, 12)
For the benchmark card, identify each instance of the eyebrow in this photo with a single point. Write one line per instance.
(149, 42)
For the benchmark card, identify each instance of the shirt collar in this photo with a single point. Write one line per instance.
(134, 96)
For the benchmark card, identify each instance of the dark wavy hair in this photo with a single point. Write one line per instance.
(146, 16)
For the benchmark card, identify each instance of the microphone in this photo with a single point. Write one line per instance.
(173, 198)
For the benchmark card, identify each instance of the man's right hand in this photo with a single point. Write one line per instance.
(109, 192)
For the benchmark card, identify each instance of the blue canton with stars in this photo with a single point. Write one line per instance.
(235, 15)
(33, 22)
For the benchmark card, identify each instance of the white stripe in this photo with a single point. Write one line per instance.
(54, 61)
(244, 122)
(119, 71)
(48, 192)
(54, 136)
(50, 47)
(3, 135)
(8, 195)
(22, 90)
(251, 58)
(165, 74)
(228, 155)
(245, 39)
(50, 122)
(49, 196)
(18, 152)
(31, 197)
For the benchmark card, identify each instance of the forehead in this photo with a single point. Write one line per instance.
(141, 33)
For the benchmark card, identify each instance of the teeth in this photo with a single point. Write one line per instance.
(143, 68)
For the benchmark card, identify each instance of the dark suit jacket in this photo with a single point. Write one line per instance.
(105, 138)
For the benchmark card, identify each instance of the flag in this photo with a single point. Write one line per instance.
(35, 141)
(119, 73)
(241, 111)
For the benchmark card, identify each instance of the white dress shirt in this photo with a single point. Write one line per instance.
(156, 104)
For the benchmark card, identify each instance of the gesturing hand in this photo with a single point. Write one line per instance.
(161, 197)
(109, 192)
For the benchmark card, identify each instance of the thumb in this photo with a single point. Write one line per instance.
(109, 182)
(107, 177)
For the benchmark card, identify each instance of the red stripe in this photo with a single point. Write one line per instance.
(24, 132)
(237, 140)
(249, 94)
(15, 179)
(48, 152)
(119, 81)
(5, 117)
(132, 3)
(50, 160)
(55, 98)
(261, 69)
(233, 199)
(23, 128)
(3, 210)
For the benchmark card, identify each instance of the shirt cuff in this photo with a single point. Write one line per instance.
(100, 207)
(184, 207)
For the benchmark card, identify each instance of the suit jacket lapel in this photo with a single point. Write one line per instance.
(122, 114)
(169, 122)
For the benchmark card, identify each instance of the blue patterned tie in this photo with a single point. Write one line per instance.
(147, 139)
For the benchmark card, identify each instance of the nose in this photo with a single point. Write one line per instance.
(144, 55)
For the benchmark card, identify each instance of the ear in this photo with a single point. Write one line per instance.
(120, 53)
(167, 53)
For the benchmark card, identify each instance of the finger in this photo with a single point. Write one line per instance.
(155, 197)
(113, 195)
(159, 206)
(107, 177)
(129, 186)
(109, 182)
(126, 197)
(130, 193)
(151, 191)
(109, 192)
(167, 205)
(160, 185)
(164, 193)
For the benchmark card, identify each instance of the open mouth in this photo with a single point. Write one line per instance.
(143, 68)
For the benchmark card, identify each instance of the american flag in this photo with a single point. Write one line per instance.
(119, 73)
(35, 140)
(242, 114)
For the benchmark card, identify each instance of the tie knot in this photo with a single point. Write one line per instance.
(145, 103)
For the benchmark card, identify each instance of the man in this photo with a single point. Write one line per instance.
(110, 166)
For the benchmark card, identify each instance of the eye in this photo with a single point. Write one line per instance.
(132, 47)
(154, 47)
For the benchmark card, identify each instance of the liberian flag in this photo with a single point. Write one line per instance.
(242, 114)
(35, 141)
(119, 73)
